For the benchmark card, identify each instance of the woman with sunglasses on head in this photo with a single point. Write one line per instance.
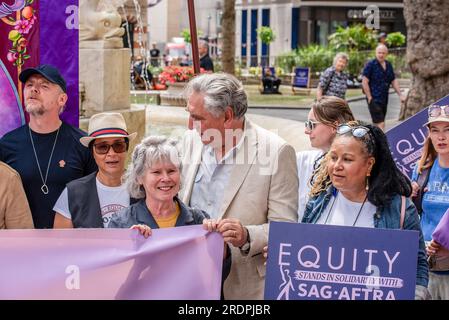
(91, 201)
(323, 119)
(434, 164)
(358, 184)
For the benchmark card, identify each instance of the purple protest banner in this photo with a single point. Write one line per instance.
(406, 140)
(59, 46)
(11, 111)
(174, 263)
(34, 32)
(326, 262)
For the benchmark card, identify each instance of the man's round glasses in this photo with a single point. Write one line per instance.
(310, 124)
(437, 111)
(103, 148)
(359, 131)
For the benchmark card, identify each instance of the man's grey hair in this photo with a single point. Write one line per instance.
(203, 43)
(150, 151)
(340, 55)
(381, 45)
(220, 90)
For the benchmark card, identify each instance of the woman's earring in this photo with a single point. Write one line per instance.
(367, 181)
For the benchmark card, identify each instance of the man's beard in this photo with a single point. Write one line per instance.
(35, 109)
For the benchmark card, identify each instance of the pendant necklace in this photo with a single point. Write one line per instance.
(44, 187)
(358, 214)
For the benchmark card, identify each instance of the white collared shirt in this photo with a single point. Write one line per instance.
(212, 178)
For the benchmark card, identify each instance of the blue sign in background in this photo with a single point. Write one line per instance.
(324, 262)
(301, 77)
(407, 139)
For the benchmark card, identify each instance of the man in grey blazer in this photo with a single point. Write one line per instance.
(242, 175)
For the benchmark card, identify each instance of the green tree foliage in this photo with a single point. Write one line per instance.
(185, 33)
(356, 37)
(266, 34)
(395, 39)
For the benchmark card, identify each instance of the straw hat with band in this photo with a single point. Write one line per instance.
(107, 125)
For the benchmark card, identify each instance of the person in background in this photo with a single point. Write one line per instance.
(333, 81)
(91, 201)
(270, 82)
(14, 209)
(206, 62)
(46, 152)
(378, 75)
(155, 54)
(434, 163)
(324, 117)
(358, 184)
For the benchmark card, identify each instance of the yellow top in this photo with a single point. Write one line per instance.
(170, 221)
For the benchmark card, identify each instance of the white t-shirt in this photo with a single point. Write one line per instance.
(344, 213)
(112, 200)
(304, 162)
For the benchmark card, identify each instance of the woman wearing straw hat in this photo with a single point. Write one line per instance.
(91, 201)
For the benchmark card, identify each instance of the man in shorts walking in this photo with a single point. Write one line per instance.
(378, 75)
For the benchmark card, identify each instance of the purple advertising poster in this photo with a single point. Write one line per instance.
(11, 111)
(182, 263)
(324, 262)
(34, 32)
(407, 139)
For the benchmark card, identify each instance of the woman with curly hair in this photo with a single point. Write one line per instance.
(358, 184)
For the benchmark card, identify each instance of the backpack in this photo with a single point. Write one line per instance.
(423, 178)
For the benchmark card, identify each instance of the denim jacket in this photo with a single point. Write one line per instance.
(387, 217)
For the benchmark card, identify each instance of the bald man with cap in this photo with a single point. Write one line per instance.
(46, 152)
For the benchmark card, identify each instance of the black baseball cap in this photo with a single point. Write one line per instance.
(49, 72)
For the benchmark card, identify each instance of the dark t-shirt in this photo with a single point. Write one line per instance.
(206, 63)
(379, 80)
(154, 53)
(70, 161)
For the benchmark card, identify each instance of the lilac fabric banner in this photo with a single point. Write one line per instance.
(407, 139)
(34, 32)
(324, 262)
(174, 263)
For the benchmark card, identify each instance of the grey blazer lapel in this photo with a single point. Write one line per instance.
(245, 158)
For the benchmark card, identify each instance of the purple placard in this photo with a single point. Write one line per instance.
(441, 232)
(407, 139)
(59, 47)
(301, 77)
(183, 263)
(324, 262)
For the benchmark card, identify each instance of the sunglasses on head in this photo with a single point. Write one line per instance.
(118, 147)
(437, 111)
(310, 124)
(358, 131)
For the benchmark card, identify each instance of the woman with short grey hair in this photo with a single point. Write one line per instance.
(219, 90)
(154, 178)
(333, 81)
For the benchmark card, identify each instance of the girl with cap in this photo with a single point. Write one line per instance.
(434, 202)
(91, 201)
